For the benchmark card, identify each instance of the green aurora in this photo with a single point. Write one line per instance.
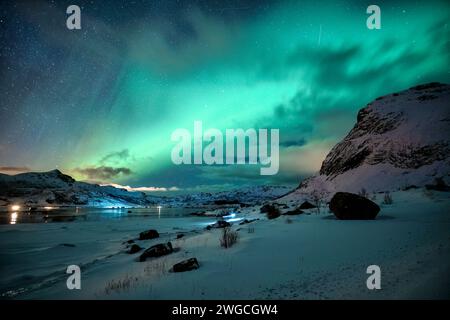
(101, 103)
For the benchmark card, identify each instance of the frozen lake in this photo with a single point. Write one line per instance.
(71, 214)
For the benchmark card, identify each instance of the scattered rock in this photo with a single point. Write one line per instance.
(134, 248)
(245, 221)
(439, 185)
(271, 211)
(218, 224)
(186, 265)
(68, 245)
(265, 208)
(350, 206)
(307, 205)
(149, 234)
(293, 212)
(158, 250)
(282, 205)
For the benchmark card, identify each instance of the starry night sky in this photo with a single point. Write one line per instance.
(100, 103)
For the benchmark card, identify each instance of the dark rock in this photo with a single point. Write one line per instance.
(68, 245)
(307, 205)
(410, 187)
(219, 224)
(134, 248)
(265, 208)
(149, 234)
(128, 242)
(129, 211)
(294, 212)
(158, 250)
(271, 211)
(350, 206)
(180, 235)
(246, 221)
(439, 185)
(186, 265)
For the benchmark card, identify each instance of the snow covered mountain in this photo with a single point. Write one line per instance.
(243, 195)
(56, 188)
(399, 141)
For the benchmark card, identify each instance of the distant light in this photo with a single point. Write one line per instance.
(14, 216)
(230, 216)
(48, 208)
(159, 211)
(15, 207)
(235, 219)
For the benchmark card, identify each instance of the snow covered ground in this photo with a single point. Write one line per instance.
(309, 256)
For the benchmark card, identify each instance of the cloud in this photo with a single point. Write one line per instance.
(141, 189)
(14, 170)
(176, 46)
(293, 143)
(296, 163)
(103, 172)
(115, 157)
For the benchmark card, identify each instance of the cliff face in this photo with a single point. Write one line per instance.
(399, 140)
(407, 130)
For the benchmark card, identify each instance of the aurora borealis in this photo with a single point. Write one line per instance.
(101, 103)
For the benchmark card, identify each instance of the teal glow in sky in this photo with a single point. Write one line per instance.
(101, 103)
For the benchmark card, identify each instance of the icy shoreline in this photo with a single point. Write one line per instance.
(312, 256)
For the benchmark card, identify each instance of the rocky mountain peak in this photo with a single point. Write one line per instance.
(399, 140)
(407, 130)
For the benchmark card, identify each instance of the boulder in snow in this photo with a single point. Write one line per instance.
(149, 234)
(350, 206)
(158, 250)
(186, 265)
(271, 211)
(307, 205)
(134, 249)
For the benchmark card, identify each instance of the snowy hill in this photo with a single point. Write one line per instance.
(56, 188)
(243, 195)
(399, 141)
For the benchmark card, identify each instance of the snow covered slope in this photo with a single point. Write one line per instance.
(244, 195)
(56, 188)
(399, 141)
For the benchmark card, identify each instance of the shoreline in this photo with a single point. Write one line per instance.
(312, 256)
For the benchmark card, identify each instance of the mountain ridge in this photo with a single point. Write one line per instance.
(399, 140)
